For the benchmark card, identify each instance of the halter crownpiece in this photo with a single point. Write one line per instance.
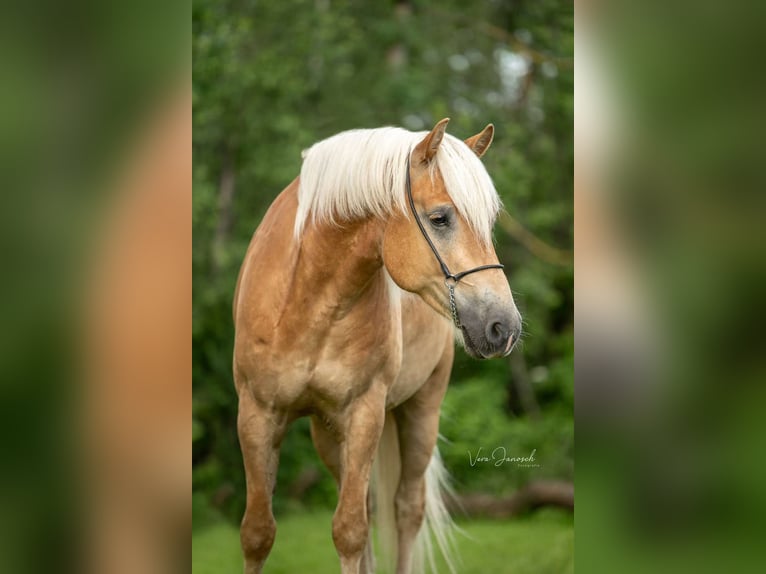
(450, 279)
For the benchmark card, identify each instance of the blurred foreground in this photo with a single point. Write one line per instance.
(671, 273)
(670, 255)
(95, 295)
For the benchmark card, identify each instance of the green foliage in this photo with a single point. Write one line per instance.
(473, 417)
(271, 78)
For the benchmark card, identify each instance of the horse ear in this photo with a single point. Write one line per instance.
(480, 142)
(427, 148)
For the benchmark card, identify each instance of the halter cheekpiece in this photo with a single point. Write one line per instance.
(450, 279)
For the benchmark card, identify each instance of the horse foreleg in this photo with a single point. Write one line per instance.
(350, 525)
(261, 430)
(329, 451)
(368, 558)
(417, 422)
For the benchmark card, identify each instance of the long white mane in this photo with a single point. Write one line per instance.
(359, 173)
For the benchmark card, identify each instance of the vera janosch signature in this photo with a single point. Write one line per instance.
(499, 456)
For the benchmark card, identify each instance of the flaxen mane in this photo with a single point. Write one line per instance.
(359, 173)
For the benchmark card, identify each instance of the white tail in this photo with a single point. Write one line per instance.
(437, 524)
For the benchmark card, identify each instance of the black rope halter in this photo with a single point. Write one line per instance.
(450, 279)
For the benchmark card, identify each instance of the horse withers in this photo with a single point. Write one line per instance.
(363, 272)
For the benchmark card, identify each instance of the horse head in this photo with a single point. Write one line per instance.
(441, 249)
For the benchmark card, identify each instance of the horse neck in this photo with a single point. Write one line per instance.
(341, 262)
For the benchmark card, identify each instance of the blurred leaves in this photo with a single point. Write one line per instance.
(474, 417)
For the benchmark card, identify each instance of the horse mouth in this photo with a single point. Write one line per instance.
(510, 345)
(471, 348)
(482, 352)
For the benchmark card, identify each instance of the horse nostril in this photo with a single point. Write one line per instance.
(498, 333)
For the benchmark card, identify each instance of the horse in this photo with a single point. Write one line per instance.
(346, 311)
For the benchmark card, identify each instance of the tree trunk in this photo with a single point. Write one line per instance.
(521, 386)
(227, 184)
(397, 55)
(534, 495)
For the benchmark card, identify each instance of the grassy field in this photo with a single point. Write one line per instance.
(539, 544)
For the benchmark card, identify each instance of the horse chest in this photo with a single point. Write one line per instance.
(347, 367)
(425, 337)
(324, 370)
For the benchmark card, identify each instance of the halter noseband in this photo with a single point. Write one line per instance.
(450, 279)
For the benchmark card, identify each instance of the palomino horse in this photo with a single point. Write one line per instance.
(346, 311)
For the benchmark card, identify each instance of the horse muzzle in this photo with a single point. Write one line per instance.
(492, 335)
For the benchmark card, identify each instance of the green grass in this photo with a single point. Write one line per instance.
(539, 544)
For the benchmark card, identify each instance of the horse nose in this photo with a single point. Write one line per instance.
(498, 332)
(502, 333)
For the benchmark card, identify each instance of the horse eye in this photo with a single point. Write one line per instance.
(439, 220)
